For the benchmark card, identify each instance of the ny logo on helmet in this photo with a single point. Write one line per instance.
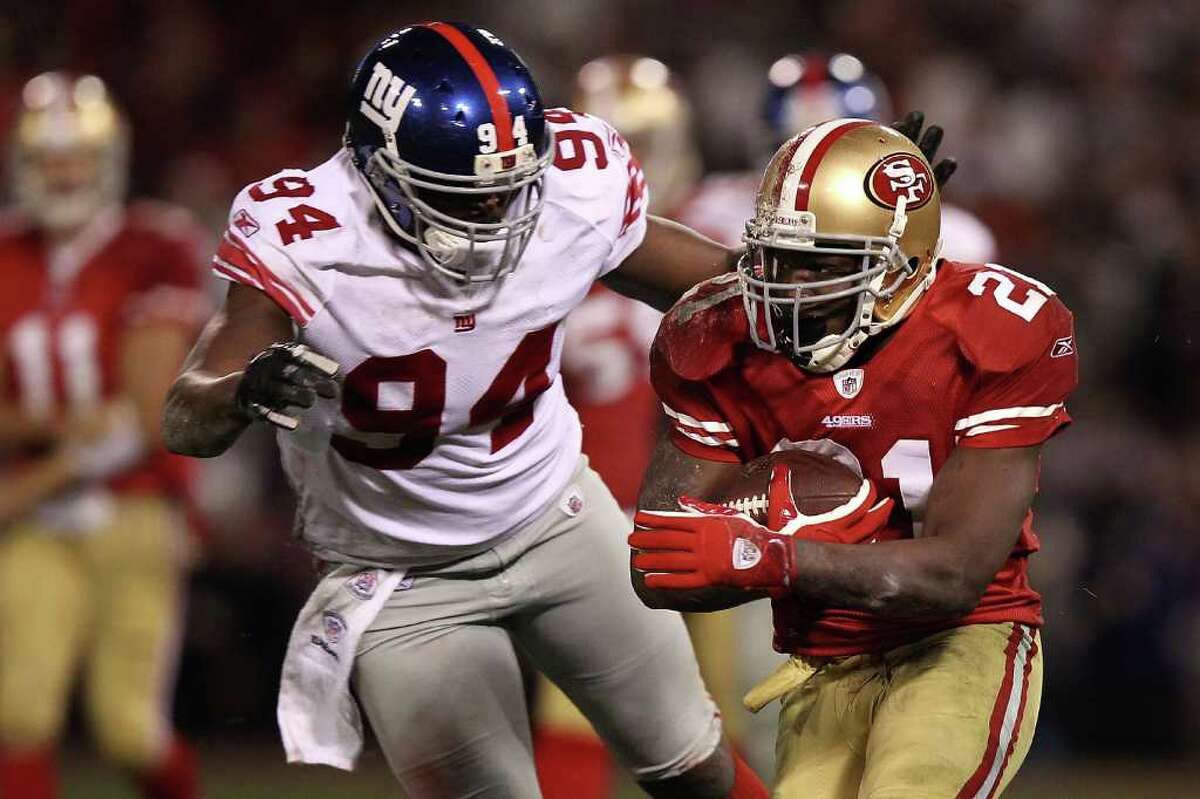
(899, 175)
(385, 99)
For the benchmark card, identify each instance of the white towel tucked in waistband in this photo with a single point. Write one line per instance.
(318, 718)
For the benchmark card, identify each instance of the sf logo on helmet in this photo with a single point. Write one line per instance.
(899, 175)
(385, 99)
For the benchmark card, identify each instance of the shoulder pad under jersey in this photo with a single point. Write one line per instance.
(698, 335)
(1001, 318)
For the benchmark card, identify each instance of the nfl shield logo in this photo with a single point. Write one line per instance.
(848, 382)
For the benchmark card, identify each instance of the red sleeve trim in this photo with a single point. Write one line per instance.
(635, 206)
(236, 261)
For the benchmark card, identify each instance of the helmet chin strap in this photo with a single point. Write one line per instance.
(456, 252)
(838, 351)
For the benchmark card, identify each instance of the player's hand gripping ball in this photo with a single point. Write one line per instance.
(744, 536)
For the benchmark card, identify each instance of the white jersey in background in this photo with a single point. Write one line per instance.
(452, 430)
(722, 203)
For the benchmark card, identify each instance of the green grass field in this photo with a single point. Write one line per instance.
(256, 771)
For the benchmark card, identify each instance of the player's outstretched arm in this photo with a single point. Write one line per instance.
(673, 473)
(976, 506)
(669, 261)
(201, 416)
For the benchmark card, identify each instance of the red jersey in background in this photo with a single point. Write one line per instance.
(64, 311)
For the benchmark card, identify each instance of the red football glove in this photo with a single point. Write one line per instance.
(708, 545)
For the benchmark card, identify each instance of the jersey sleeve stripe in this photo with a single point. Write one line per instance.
(989, 428)
(688, 421)
(228, 270)
(1023, 412)
(731, 443)
(635, 193)
(235, 251)
(242, 260)
(487, 79)
(264, 273)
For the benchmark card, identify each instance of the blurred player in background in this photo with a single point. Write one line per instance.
(802, 90)
(916, 667)
(98, 302)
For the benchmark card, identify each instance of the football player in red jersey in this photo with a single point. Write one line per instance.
(97, 304)
(916, 667)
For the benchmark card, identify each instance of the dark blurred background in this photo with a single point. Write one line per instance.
(1074, 123)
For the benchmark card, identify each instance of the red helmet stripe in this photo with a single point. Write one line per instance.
(818, 153)
(775, 192)
(487, 79)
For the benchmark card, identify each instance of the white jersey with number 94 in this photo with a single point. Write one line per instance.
(452, 429)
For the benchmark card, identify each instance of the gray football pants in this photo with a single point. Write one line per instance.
(437, 673)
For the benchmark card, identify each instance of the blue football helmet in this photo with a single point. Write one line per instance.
(445, 116)
(804, 89)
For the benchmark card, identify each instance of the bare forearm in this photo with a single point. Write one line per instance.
(924, 577)
(670, 475)
(973, 518)
(200, 417)
(671, 260)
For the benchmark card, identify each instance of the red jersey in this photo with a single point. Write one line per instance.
(605, 369)
(985, 359)
(61, 324)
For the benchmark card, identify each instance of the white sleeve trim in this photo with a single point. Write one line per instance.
(989, 428)
(683, 418)
(1023, 412)
(228, 271)
(731, 443)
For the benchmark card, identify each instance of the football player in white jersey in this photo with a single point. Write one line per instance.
(396, 312)
(802, 90)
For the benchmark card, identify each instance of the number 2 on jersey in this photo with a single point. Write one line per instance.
(405, 395)
(1033, 302)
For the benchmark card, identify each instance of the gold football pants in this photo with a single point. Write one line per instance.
(107, 603)
(951, 715)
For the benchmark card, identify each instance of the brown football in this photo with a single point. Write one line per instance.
(819, 484)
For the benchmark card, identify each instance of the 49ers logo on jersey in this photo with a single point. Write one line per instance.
(899, 175)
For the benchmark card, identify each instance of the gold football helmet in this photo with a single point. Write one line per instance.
(69, 150)
(848, 188)
(642, 99)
